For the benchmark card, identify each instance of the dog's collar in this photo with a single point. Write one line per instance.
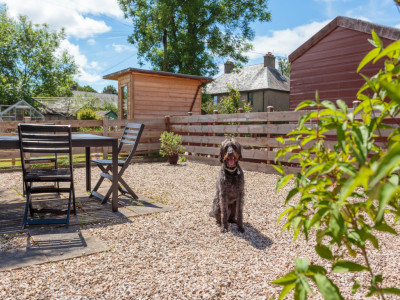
(232, 170)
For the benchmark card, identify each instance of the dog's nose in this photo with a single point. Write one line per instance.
(230, 152)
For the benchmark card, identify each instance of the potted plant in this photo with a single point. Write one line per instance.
(171, 146)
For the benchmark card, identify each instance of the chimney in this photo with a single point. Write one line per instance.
(269, 60)
(228, 67)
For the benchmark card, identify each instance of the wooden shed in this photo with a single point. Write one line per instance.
(144, 94)
(328, 61)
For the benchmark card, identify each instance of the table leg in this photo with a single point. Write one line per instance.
(115, 176)
(88, 181)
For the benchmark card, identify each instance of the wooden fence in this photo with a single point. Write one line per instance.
(202, 135)
(256, 132)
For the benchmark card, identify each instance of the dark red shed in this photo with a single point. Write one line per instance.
(328, 61)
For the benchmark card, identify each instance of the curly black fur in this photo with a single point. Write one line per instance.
(229, 198)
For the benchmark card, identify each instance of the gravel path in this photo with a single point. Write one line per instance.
(181, 254)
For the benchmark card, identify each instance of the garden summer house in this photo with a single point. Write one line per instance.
(153, 94)
(328, 61)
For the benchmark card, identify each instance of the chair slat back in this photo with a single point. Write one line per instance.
(131, 135)
(44, 139)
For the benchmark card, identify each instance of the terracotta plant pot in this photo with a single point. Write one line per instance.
(173, 159)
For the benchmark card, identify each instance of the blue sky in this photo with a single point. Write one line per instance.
(97, 31)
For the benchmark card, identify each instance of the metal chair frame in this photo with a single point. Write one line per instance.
(46, 140)
(131, 136)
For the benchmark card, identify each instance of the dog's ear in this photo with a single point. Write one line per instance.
(222, 152)
(239, 148)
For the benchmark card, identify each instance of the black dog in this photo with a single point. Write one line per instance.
(228, 202)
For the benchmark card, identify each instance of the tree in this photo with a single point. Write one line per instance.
(284, 66)
(110, 89)
(346, 195)
(187, 36)
(30, 62)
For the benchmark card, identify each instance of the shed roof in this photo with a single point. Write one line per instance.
(250, 78)
(390, 33)
(114, 76)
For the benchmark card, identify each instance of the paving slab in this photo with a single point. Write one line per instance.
(50, 244)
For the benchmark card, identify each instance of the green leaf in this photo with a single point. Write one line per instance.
(393, 90)
(284, 213)
(391, 48)
(343, 266)
(392, 291)
(304, 282)
(385, 228)
(286, 289)
(387, 163)
(324, 251)
(290, 195)
(337, 227)
(317, 269)
(370, 56)
(341, 136)
(301, 264)
(386, 193)
(300, 293)
(279, 169)
(289, 278)
(377, 40)
(283, 181)
(355, 287)
(327, 288)
(307, 103)
(342, 105)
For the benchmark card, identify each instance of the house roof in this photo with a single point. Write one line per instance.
(250, 78)
(390, 33)
(103, 97)
(114, 76)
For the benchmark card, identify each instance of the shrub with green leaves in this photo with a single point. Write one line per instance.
(171, 144)
(345, 195)
(228, 104)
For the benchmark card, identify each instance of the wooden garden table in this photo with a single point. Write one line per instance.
(82, 141)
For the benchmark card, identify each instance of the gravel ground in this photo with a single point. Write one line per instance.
(181, 254)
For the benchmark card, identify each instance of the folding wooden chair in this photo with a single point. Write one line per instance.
(130, 137)
(46, 142)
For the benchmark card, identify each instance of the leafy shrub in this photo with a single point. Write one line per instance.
(229, 104)
(171, 144)
(346, 194)
(87, 114)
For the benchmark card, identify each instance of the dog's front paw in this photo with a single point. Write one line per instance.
(240, 229)
(224, 229)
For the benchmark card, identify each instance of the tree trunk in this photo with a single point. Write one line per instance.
(165, 43)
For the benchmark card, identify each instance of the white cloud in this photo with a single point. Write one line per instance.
(397, 26)
(74, 15)
(82, 62)
(284, 42)
(91, 42)
(122, 48)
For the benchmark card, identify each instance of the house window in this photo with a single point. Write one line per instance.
(250, 98)
(215, 100)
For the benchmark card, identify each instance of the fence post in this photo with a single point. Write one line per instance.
(215, 112)
(167, 123)
(356, 103)
(188, 131)
(269, 109)
(240, 111)
(105, 133)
